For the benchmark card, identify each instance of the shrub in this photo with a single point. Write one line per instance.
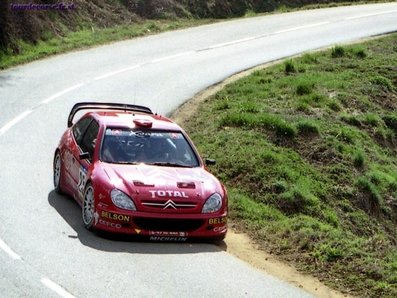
(347, 135)
(307, 127)
(338, 52)
(330, 217)
(280, 186)
(360, 53)
(269, 157)
(383, 82)
(299, 199)
(282, 128)
(372, 191)
(328, 253)
(289, 66)
(358, 159)
(304, 88)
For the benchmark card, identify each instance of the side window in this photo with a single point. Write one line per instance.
(89, 139)
(79, 128)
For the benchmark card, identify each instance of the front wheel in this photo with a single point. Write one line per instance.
(57, 167)
(88, 208)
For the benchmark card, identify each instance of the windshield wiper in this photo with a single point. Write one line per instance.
(169, 164)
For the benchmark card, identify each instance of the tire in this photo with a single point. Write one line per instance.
(57, 173)
(88, 207)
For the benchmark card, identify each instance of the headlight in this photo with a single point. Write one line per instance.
(213, 203)
(121, 200)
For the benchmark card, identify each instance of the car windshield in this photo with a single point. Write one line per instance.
(161, 148)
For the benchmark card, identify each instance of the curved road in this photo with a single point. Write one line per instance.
(44, 249)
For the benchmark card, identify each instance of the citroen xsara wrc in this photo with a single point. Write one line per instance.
(138, 173)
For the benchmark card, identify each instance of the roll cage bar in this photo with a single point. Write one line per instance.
(105, 106)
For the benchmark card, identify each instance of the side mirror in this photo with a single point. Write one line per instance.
(85, 155)
(210, 162)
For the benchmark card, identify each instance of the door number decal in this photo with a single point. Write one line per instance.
(82, 180)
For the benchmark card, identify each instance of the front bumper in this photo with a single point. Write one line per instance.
(161, 226)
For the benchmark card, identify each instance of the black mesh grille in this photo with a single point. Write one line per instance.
(156, 224)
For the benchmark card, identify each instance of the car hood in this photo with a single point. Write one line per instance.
(165, 189)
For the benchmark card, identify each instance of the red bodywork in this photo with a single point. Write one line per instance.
(168, 200)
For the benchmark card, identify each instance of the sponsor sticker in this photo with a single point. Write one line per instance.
(164, 238)
(110, 224)
(168, 193)
(220, 229)
(115, 216)
(217, 221)
(167, 233)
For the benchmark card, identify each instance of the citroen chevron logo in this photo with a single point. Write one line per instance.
(169, 204)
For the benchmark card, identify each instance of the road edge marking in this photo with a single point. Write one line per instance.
(370, 15)
(60, 93)
(14, 121)
(302, 27)
(9, 251)
(56, 288)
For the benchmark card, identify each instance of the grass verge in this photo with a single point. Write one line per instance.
(307, 149)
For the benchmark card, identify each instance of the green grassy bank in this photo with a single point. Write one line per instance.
(308, 149)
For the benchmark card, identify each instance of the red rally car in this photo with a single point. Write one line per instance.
(138, 173)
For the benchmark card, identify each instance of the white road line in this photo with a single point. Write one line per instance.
(45, 101)
(172, 57)
(56, 288)
(56, 95)
(221, 45)
(9, 251)
(45, 281)
(302, 27)
(116, 72)
(14, 121)
(370, 15)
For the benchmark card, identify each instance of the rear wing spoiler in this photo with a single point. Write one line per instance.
(105, 106)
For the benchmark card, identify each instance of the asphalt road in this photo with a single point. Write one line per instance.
(44, 249)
